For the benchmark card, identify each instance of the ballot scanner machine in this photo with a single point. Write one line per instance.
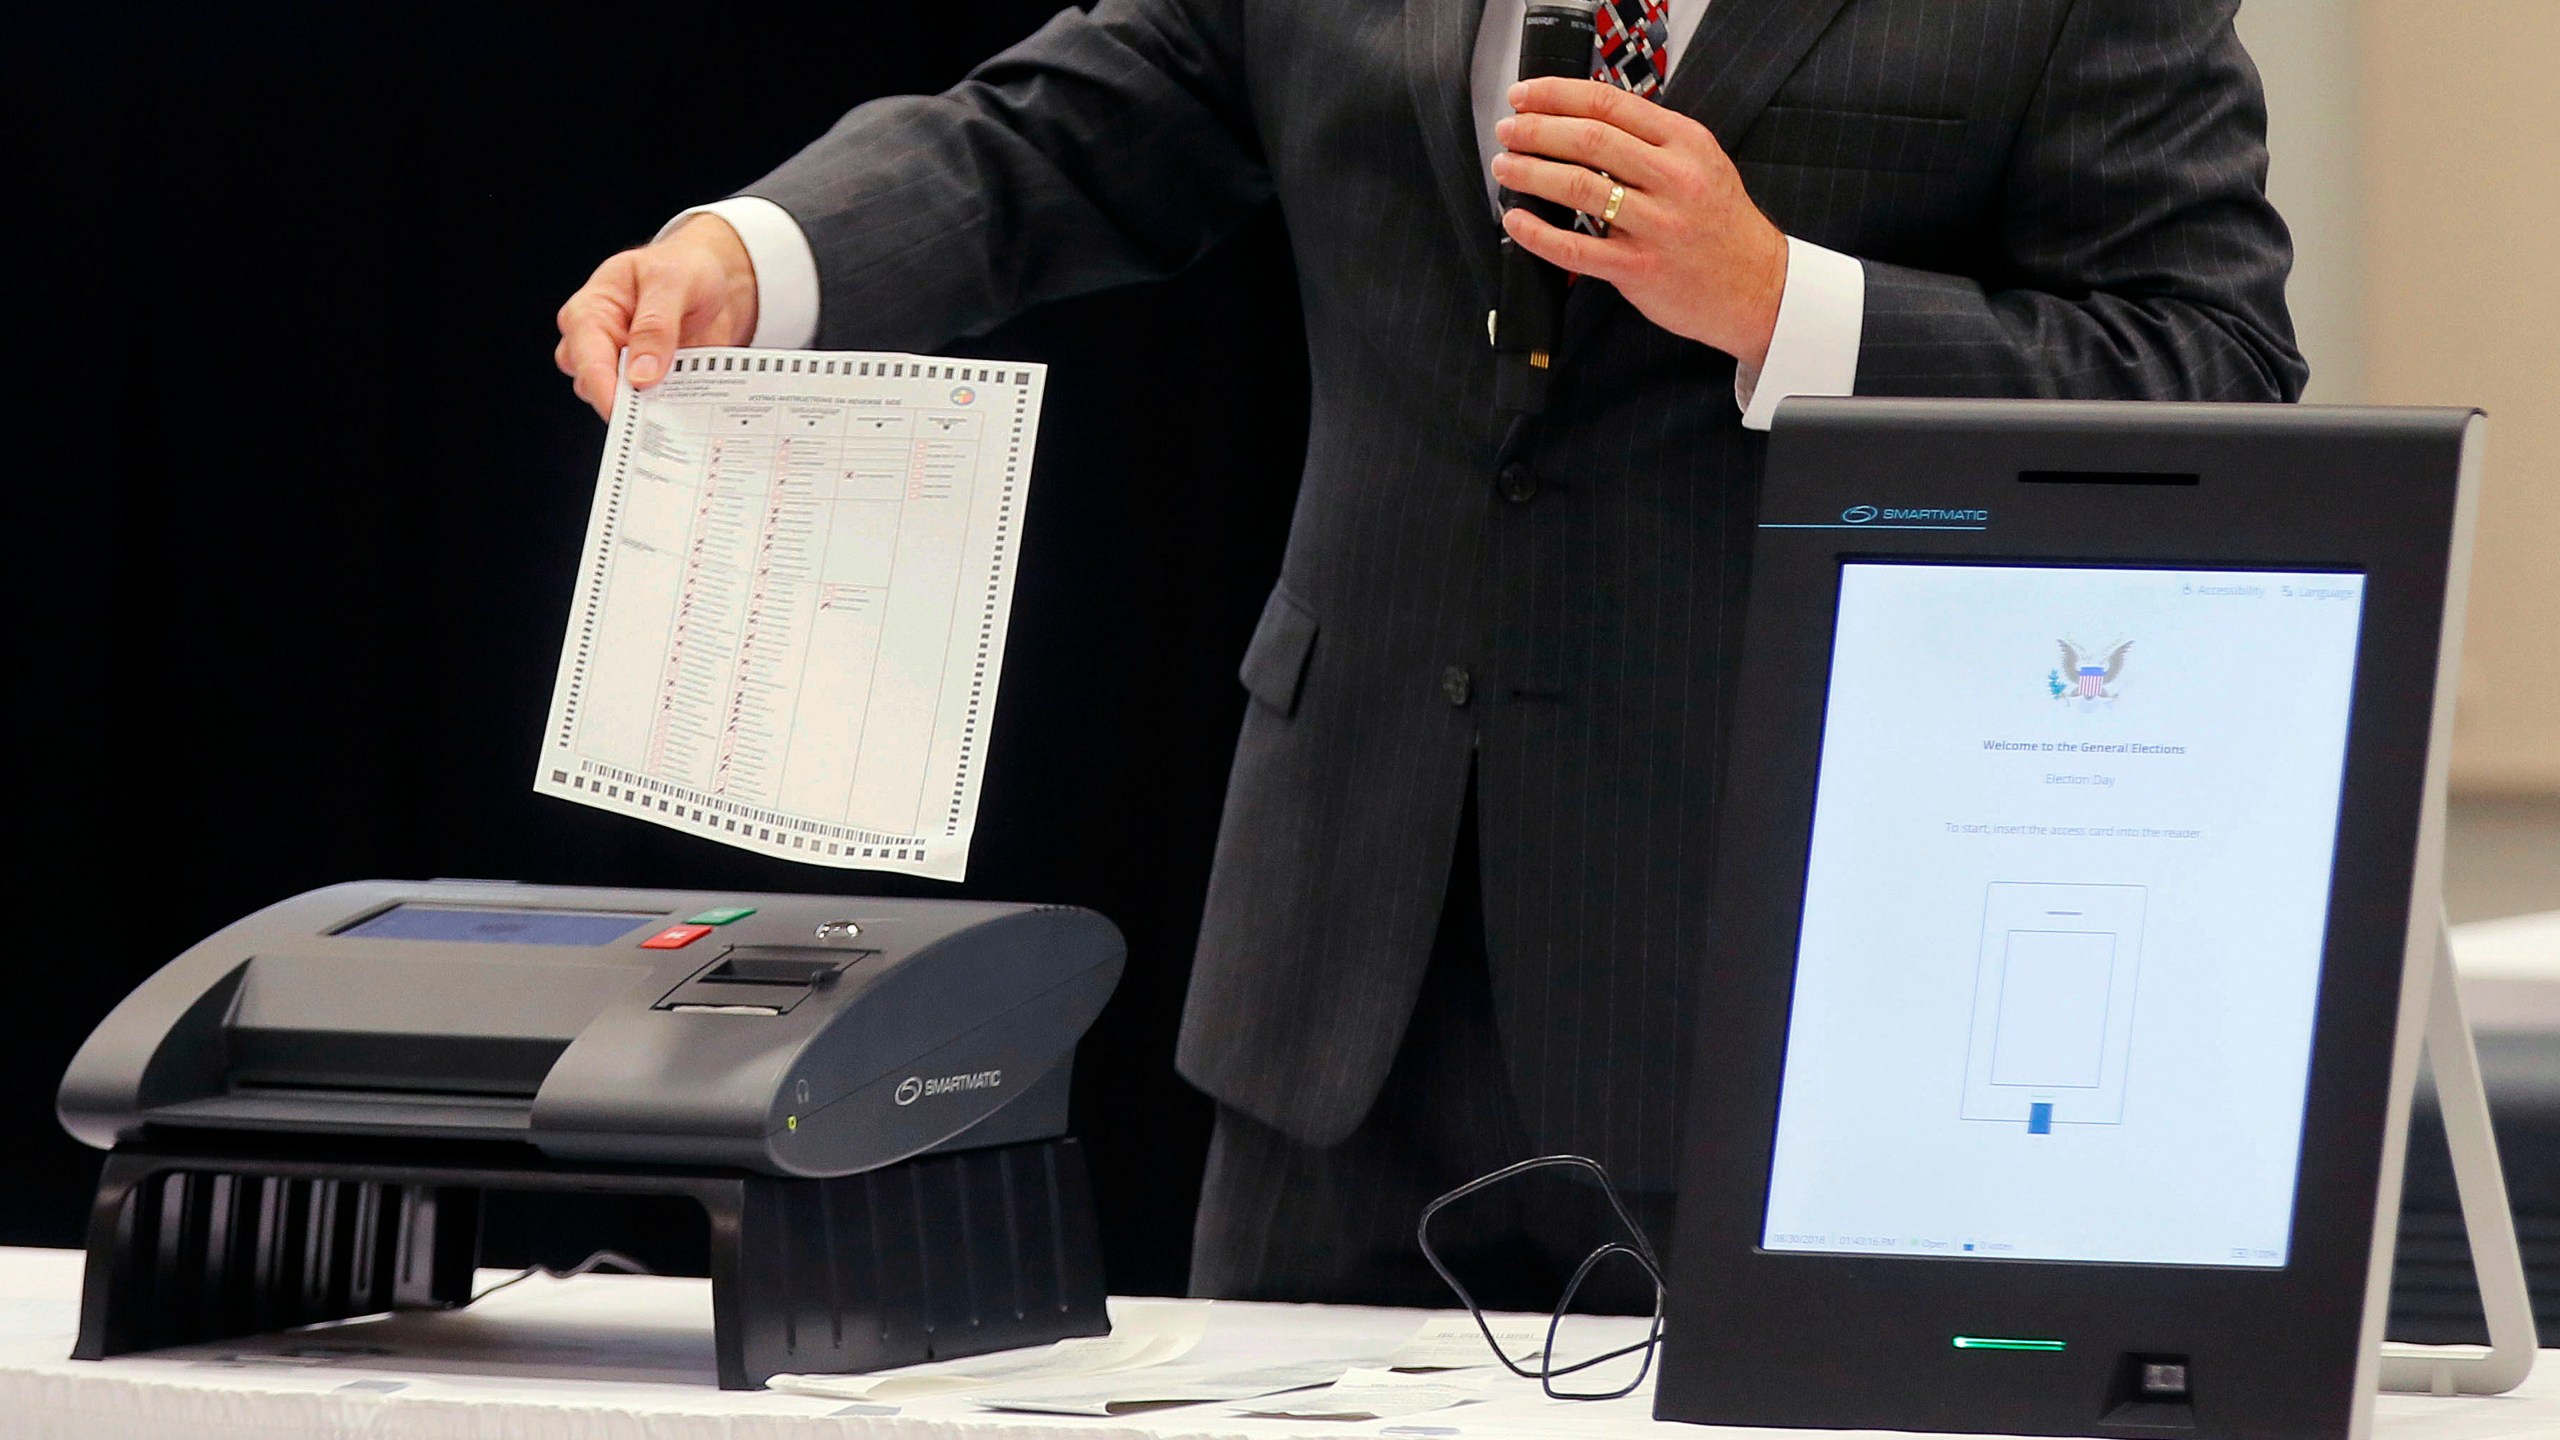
(867, 1097)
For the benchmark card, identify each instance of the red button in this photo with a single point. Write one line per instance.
(675, 937)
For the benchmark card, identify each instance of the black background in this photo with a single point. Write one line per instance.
(300, 500)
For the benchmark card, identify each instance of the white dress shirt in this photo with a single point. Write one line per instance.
(1821, 313)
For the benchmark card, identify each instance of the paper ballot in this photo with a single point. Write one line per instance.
(790, 618)
(1162, 1386)
(1453, 1342)
(1370, 1395)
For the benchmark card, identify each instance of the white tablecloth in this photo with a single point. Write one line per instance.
(608, 1357)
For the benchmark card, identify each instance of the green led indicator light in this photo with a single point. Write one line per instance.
(1996, 1342)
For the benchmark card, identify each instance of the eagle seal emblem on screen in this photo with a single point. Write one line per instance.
(2086, 674)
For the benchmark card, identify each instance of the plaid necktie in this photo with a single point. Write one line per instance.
(1634, 49)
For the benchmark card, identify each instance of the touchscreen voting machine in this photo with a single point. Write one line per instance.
(2074, 914)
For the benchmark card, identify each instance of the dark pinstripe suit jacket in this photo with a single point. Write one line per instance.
(2051, 197)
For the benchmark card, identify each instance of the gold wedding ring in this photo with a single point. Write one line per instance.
(1609, 216)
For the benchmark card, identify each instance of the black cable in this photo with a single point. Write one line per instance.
(1641, 1252)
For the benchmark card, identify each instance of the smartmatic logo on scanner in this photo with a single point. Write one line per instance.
(916, 1087)
(1869, 515)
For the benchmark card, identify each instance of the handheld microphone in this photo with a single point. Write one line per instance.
(1556, 38)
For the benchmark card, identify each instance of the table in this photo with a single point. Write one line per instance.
(2510, 973)
(613, 1357)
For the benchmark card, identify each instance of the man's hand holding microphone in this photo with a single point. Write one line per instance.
(693, 286)
(1686, 245)
(1671, 226)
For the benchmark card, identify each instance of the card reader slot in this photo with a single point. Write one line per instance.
(2110, 477)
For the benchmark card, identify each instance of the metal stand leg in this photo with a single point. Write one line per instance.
(2478, 1179)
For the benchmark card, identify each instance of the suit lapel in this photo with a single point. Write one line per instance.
(1742, 51)
(1440, 43)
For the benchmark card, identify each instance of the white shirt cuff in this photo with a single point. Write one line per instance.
(786, 270)
(1822, 316)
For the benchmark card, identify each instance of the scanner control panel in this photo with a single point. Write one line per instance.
(773, 1032)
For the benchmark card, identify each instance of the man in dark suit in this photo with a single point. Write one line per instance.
(1502, 644)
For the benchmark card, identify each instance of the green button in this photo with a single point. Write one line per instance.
(722, 915)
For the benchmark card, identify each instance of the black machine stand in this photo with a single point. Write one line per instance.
(855, 1273)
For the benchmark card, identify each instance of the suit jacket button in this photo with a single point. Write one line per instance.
(1455, 684)
(1518, 483)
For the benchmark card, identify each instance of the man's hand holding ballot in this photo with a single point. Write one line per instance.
(693, 286)
(1682, 241)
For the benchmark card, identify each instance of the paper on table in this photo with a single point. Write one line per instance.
(1454, 1343)
(1371, 1395)
(1151, 1336)
(1155, 1389)
(790, 618)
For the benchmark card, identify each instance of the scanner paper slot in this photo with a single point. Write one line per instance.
(778, 965)
(759, 979)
